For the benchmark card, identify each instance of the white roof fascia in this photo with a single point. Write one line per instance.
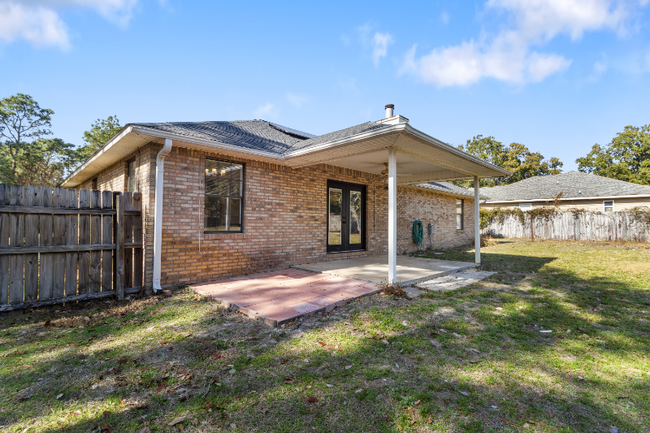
(603, 197)
(126, 131)
(451, 149)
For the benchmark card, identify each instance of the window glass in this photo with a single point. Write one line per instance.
(355, 217)
(459, 214)
(608, 206)
(334, 211)
(223, 196)
(130, 176)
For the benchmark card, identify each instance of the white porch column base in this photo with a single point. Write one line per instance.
(392, 216)
(477, 223)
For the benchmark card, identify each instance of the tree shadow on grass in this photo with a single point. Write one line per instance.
(381, 356)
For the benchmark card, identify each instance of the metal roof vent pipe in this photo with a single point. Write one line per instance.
(389, 110)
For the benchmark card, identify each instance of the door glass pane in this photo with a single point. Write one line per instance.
(215, 213)
(334, 212)
(235, 214)
(355, 217)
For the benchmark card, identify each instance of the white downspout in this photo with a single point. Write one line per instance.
(158, 213)
(477, 223)
(392, 216)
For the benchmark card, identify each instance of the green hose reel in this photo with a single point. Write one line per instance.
(418, 233)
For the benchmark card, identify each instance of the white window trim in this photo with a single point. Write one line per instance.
(525, 206)
(605, 206)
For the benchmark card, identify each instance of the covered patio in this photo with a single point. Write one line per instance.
(407, 157)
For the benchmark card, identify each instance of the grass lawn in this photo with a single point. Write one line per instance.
(469, 360)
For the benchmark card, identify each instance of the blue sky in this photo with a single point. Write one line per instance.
(555, 75)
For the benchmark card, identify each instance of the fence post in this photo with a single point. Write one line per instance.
(119, 248)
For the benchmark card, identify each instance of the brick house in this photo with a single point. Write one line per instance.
(249, 196)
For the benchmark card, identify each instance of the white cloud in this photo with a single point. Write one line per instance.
(380, 43)
(445, 17)
(297, 100)
(544, 19)
(509, 55)
(470, 62)
(39, 26)
(267, 110)
(38, 21)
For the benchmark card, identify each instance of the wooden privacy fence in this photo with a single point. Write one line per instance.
(63, 245)
(581, 226)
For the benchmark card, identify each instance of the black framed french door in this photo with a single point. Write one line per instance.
(346, 216)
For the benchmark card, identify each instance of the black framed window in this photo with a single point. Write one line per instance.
(460, 214)
(224, 196)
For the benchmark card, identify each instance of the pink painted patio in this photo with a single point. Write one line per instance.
(281, 296)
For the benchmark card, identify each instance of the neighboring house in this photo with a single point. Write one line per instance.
(568, 190)
(222, 199)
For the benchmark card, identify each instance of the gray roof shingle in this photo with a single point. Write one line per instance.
(257, 134)
(250, 134)
(573, 184)
(338, 135)
(448, 188)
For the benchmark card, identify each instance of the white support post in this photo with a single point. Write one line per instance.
(392, 216)
(477, 223)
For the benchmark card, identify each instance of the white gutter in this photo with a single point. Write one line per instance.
(158, 213)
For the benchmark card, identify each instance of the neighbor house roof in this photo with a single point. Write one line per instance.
(572, 185)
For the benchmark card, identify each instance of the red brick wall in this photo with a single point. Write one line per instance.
(284, 216)
(284, 219)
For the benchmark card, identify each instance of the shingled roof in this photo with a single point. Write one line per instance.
(257, 134)
(448, 188)
(573, 184)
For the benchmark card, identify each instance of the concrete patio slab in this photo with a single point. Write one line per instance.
(455, 281)
(410, 270)
(283, 296)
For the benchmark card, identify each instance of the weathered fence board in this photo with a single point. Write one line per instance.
(107, 238)
(128, 239)
(17, 239)
(138, 263)
(4, 243)
(58, 259)
(84, 239)
(71, 238)
(46, 277)
(581, 226)
(88, 245)
(95, 238)
(118, 276)
(33, 197)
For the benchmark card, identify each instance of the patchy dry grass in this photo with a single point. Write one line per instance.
(468, 360)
